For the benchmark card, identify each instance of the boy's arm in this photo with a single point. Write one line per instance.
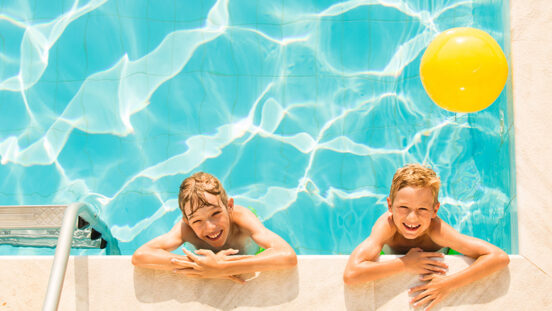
(488, 259)
(362, 265)
(156, 254)
(278, 253)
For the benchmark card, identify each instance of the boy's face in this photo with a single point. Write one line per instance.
(211, 223)
(413, 209)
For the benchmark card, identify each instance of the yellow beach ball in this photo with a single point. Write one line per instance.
(463, 70)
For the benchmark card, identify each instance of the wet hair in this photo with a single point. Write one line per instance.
(415, 175)
(192, 191)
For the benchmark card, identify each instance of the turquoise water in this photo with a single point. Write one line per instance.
(304, 110)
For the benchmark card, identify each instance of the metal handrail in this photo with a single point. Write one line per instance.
(59, 266)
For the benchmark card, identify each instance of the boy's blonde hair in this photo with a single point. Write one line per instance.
(415, 175)
(193, 190)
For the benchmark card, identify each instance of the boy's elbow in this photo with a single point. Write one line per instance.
(290, 259)
(349, 277)
(351, 274)
(504, 259)
(137, 257)
(499, 259)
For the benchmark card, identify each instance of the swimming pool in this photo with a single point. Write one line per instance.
(303, 109)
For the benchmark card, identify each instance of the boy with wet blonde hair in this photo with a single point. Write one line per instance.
(219, 230)
(411, 226)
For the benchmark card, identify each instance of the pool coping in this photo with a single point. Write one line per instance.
(111, 283)
(531, 68)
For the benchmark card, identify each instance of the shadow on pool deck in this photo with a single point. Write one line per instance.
(275, 288)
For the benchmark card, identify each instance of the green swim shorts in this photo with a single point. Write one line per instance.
(450, 251)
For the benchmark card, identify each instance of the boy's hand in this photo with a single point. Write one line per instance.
(430, 293)
(419, 262)
(209, 265)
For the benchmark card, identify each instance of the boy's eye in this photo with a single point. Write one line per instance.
(215, 213)
(423, 209)
(196, 221)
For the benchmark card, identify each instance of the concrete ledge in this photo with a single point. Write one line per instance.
(532, 77)
(112, 283)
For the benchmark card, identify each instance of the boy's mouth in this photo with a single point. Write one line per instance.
(411, 228)
(214, 236)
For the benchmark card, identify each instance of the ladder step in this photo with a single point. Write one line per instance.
(51, 242)
(39, 226)
(23, 217)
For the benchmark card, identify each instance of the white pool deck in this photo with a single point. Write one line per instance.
(112, 283)
(101, 283)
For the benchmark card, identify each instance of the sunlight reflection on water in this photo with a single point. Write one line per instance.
(303, 110)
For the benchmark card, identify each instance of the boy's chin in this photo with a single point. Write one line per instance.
(411, 235)
(215, 244)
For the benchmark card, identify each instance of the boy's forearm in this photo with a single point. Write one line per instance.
(156, 259)
(269, 259)
(483, 266)
(370, 270)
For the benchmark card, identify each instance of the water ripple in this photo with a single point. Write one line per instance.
(304, 111)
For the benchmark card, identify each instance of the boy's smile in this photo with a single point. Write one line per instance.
(412, 210)
(412, 228)
(215, 236)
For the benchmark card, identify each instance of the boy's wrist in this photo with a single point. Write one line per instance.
(449, 282)
(231, 267)
(402, 264)
(224, 266)
(179, 257)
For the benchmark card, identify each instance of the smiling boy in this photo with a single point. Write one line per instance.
(219, 230)
(411, 226)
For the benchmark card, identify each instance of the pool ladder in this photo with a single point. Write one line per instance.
(54, 225)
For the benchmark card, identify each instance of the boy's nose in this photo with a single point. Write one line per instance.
(411, 215)
(210, 225)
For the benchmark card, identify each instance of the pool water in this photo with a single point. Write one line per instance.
(303, 109)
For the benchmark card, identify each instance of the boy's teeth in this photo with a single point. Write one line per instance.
(214, 235)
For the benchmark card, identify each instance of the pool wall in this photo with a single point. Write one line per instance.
(111, 283)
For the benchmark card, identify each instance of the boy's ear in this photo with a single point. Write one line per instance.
(230, 205)
(185, 220)
(389, 204)
(435, 209)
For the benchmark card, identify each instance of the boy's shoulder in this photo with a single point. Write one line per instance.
(440, 231)
(436, 226)
(185, 232)
(386, 221)
(241, 210)
(384, 226)
(245, 218)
